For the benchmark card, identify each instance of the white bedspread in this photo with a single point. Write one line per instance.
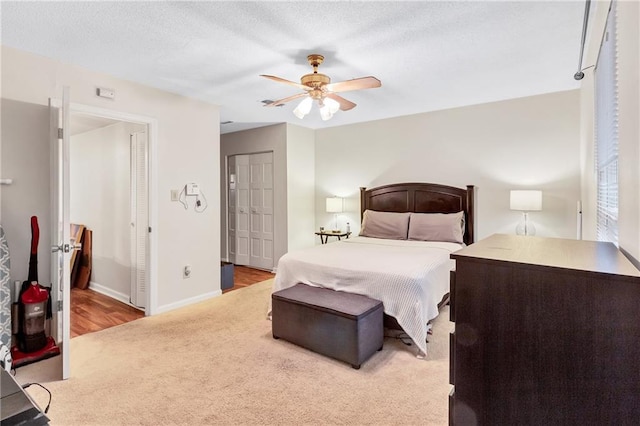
(409, 277)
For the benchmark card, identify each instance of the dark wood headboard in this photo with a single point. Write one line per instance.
(422, 198)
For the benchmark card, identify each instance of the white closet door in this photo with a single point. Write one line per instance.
(231, 208)
(242, 210)
(139, 219)
(261, 205)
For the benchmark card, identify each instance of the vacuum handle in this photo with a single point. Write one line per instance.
(35, 234)
(33, 259)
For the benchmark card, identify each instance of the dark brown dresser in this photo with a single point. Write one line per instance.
(547, 332)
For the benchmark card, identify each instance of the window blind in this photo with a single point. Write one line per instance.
(606, 133)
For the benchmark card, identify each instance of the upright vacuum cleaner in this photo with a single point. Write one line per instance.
(34, 308)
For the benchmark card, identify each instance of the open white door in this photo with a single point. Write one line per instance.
(60, 228)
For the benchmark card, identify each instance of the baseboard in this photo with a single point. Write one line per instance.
(121, 297)
(189, 301)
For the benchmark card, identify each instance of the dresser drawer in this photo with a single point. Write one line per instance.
(452, 358)
(452, 296)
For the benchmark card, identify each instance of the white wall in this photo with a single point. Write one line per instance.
(300, 187)
(25, 159)
(100, 173)
(294, 177)
(628, 125)
(522, 143)
(270, 138)
(187, 151)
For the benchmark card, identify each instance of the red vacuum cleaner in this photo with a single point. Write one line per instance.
(34, 308)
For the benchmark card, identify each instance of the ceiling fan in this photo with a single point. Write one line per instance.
(318, 87)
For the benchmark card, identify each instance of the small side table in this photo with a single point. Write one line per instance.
(324, 235)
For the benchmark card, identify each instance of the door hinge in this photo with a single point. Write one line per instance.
(60, 133)
(149, 229)
(59, 307)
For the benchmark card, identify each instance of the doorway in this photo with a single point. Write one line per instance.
(250, 210)
(109, 200)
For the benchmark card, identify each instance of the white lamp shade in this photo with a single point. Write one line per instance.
(325, 113)
(334, 205)
(303, 108)
(328, 107)
(526, 200)
(334, 106)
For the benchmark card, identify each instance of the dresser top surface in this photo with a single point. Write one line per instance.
(591, 256)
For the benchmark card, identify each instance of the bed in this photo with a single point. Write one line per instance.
(410, 276)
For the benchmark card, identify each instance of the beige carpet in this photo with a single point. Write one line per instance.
(216, 363)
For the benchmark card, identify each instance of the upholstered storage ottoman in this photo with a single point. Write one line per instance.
(341, 325)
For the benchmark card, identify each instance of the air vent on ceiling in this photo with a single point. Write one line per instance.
(269, 102)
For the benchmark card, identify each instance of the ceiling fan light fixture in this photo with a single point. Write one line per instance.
(333, 105)
(303, 108)
(325, 112)
(318, 86)
(328, 107)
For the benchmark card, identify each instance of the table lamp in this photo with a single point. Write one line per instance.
(526, 201)
(334, 205)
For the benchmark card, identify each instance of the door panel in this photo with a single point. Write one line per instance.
(242, 210)
(139, 218)
(261, 210)
(231, 208)
(60, 227)
(250, 222)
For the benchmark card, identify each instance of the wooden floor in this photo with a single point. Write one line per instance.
(243, 276)
(92, 311)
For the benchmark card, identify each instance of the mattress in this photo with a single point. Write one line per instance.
(409, 277)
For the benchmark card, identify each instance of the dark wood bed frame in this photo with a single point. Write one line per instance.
(421, 198)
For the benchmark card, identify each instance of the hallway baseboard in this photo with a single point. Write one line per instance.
(120, 297)
(188, 301)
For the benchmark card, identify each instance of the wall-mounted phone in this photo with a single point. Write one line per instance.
(192, 189)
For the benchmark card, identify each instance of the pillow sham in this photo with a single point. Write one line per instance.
(388, 225)
(447, 227)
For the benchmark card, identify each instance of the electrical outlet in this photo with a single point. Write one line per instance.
(175, 194)
(186, 272)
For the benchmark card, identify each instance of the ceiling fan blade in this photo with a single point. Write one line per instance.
(355, 84)
(345, 105)
(289, 82)
(283, 101)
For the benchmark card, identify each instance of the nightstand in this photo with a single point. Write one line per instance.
(324, 235)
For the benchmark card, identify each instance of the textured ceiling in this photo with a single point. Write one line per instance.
(428, 55)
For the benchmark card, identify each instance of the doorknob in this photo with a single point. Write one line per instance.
(65, 248)
(62, 247)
